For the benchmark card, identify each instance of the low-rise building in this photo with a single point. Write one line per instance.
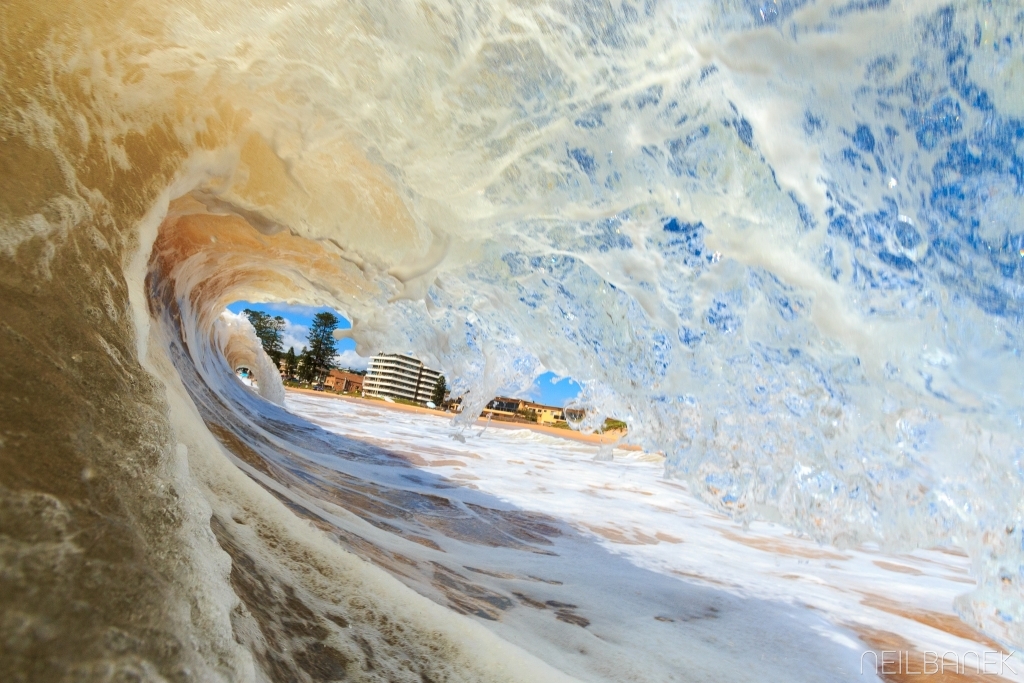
(398, 376)
(344, 382)
(545, 414)
(503, 406)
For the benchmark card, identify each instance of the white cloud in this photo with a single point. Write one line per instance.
(297, 336)
(294, 335)
(351, 359)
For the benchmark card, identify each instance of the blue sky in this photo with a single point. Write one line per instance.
(297, 321)
(553, 391)
(547, 388)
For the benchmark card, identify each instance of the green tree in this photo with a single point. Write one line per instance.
(291, 362)
(322, 344)
(440, 387)
(269, 330)
(306, 368)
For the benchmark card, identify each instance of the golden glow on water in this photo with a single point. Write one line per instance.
(225, 258)
(105, 531)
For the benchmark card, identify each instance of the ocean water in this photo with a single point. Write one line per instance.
(620, 500)
(781, 240)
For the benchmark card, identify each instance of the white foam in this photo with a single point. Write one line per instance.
(673, 204)
(631, 509)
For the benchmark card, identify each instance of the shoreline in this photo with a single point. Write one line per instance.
(570, 434)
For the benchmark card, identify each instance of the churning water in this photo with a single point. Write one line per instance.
(782, 240)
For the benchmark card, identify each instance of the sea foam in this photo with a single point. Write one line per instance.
(777, 239)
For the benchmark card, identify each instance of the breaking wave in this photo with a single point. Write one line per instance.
(781, 240)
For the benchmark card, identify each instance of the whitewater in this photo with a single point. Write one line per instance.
(658, 630)
(780, 240)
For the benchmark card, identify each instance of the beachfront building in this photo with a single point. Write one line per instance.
(545, 414)
(344, 382)
(502, 406)
(398, 376)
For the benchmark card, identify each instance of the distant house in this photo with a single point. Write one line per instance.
(345, 382)
(502, 406)
(398, 376)
(545, 414)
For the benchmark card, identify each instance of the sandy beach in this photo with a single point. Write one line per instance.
(607, 438)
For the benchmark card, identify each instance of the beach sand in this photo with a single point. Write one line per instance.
(607, 438)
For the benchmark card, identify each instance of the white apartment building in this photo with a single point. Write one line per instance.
(398, 376)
